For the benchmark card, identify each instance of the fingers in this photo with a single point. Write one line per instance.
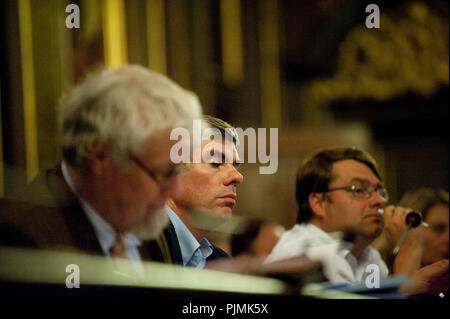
(436, 269)
(395, 225)
(434, 278)
(393, 216)
(396, 214)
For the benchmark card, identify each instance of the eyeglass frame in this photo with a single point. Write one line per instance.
(160, 180)
(367, 194)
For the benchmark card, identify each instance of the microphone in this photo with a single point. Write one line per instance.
(412, 219)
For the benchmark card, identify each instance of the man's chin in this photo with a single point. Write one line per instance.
(153, 225)
(206, 219)
(225, 212)
(373, 231)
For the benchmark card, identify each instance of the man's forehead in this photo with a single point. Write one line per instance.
(156, 150)
(158, 144)
(226, 147)
(351, 170)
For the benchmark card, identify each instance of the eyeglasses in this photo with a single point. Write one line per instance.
(363, 191)
(159, 179)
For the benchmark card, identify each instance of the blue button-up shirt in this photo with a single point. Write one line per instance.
(194, 253)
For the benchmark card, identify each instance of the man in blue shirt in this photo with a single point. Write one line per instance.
(208, 194)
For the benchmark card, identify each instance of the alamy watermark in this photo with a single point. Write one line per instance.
(206, 140)
(73, 279)
(373, 19)
(73, 18)
(373, 278)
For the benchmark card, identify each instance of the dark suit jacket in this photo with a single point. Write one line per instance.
(170, 241)
(47, 215)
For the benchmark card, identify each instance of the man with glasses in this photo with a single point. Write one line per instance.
(340, 190)
(109, 193)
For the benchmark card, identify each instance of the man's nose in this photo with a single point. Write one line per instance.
(233, 176)
(376, 200)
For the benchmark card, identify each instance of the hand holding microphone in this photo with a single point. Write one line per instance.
(406, 228)
(399, 222)
(412, 220)
(405, 232)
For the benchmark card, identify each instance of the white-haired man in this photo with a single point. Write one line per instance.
(110, 190)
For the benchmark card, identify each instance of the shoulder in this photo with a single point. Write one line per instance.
(298, 234)
(217, 253)
(292, 243)
(48, 189)
(28, 225)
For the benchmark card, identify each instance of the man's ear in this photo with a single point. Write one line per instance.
(316, 203)
(100, 160)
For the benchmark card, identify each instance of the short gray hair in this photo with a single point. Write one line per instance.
(121, 108)
(225, 128)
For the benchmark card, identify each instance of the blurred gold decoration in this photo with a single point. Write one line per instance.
(28, 89)
(88, 51)
(231, 35)
(114, 35)
(270, 65)
(1, 154)
(91, 15)
(156, 35)
(409, 53)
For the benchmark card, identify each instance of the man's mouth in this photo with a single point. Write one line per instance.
(229, 198)
(375, 216)
(230, 195)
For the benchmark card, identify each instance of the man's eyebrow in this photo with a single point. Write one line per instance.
(164, 168)
(364, 181)
(220, 155)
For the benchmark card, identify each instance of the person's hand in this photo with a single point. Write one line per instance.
(409, 256)
(395, 226)
(431, 279)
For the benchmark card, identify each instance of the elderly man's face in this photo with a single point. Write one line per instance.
(211, 185)
(137, 195)
(344, 211)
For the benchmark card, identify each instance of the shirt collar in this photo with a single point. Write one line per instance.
(365, 254)
(321, 237)
(104, 231)
(187, 241)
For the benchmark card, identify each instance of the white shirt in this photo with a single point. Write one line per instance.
(105, 233)
(340, 266)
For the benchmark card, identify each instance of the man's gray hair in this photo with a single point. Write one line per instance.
(121, 108)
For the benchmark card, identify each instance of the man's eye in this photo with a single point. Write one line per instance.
(360, 190)
(438, 228)
(215, 164)
(171, 173)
